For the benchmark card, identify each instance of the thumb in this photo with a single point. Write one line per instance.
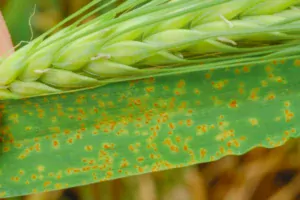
(6, 46)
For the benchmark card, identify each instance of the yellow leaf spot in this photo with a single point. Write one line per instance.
(253, 121)
(297, 63)
(41, 168)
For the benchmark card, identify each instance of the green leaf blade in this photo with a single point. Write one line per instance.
(149, 125)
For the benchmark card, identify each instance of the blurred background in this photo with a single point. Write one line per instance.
(261, 174)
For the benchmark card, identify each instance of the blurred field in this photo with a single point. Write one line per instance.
(261, 174)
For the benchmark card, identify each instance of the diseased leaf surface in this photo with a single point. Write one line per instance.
(129, 128)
